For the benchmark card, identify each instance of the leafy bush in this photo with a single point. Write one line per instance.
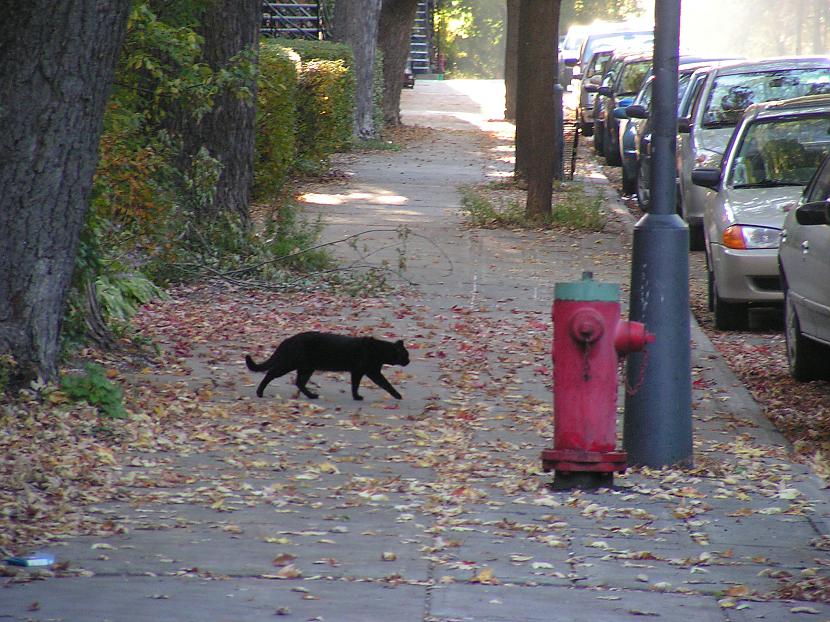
(276, 118)
(94, 388)
(325, 111)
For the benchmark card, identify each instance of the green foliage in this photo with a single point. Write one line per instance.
(324, 102)
(325, 111)
(122, 294)
(276, 118)
(309, 50)
(586, 11)
(471, 37)
(94, 388)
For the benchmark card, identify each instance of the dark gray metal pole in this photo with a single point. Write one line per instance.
(657, 430)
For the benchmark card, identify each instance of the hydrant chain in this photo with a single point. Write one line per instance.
(586, 364)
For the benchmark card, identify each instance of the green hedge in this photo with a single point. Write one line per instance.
(325, 110)
(306, 107)
(276, 118)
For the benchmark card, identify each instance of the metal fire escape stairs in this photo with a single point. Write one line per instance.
(295, 20)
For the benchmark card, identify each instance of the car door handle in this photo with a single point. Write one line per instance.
(805, 247)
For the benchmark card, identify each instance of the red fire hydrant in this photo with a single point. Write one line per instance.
(588, 339)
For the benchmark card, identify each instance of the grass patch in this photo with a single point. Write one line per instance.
(502, 204)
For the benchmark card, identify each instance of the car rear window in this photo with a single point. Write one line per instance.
(730, 95)
(781, 151)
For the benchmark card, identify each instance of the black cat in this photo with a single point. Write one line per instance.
(315, 351)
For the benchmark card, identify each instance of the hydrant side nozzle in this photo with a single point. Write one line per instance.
(631, 337)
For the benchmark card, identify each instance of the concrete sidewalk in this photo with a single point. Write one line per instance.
(434, 508)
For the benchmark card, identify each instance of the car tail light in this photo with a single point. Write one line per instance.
(743, 237)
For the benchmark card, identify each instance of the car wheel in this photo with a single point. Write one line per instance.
(695, 237)
(629, 178)
(611, 151)
(728, 315)
(598, 138)
(586, 128)
(710, 289)
(643, 191)
(807, 359)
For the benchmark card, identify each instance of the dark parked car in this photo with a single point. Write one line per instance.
(593, 76)
(624, 80)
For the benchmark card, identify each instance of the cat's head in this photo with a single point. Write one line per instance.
(401, 354)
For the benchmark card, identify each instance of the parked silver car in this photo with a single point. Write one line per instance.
(770, 158)
(804, 258)
(726, 91)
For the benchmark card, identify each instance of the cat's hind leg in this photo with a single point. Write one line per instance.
(380, 380)
(275, 372)
(303, 376)
(356, 378)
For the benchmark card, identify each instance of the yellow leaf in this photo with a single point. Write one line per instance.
(486, 576)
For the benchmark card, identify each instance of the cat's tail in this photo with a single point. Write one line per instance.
(255, 366)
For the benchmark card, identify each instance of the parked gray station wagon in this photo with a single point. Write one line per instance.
(728, 90)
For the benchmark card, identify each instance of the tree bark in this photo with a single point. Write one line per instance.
(394, 31)
(229, 27)
(58, 65)
(356, 23)
(535, 130)
(511, 59)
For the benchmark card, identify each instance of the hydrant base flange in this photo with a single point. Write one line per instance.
(576, 460)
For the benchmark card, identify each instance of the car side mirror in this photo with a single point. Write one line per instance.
(637, 111)
(591, 88)
(706, 177)
(814, 213)
(684, 125)
(620, 112)
(606, 91)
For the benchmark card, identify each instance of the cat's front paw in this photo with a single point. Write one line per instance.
(357, 397)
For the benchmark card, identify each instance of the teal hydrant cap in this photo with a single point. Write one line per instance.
(587, 289)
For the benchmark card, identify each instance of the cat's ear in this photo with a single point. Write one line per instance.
(399, 342)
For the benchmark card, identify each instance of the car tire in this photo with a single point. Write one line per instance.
(696, 242)
(710, 289)
(629, 178)
(598, 132)
(643, 191)
(807, 359)
(611, 150)
(587, 129)
(728, 315)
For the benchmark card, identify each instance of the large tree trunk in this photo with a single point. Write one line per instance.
(538, 25)
(58, 64)
(229, 27)
(394, 32)
(511, 59)
(356, 23)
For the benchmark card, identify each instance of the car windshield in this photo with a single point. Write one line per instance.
(617, 41)
(730, 95)
(632, 77)
(781, 152)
